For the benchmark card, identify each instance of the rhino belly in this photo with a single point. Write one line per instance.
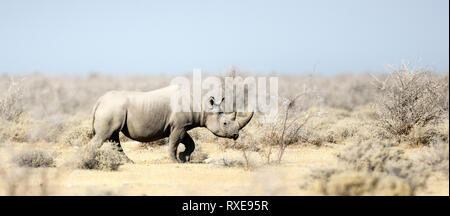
(144, 130)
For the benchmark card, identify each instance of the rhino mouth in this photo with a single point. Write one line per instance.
(235, 136)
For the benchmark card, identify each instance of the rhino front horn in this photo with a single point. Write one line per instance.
(245, 121)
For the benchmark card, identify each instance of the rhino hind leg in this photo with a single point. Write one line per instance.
(115, 138)
(107, 128)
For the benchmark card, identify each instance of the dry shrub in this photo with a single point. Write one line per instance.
(288, 127)
(275, 137)
(352, 183)
(105, 158)
(295, 131)
(370, 156)
(77, 136)
(428, 134)
(409, 97)
(342, 130)
(15, 131)
(311, 137)
(366, 112)
(76, 133)
(247, 144)
(11, 102)
(13, 126)
(369, 168)
(436, 157)
(47, 130)
(330, 125)
(444, 101)
(34, 158)
(383, 157)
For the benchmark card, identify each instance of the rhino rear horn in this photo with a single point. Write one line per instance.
(245, 121)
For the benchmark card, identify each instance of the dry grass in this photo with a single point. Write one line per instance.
(329, 143)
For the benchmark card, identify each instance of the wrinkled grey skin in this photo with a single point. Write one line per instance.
(147, 116)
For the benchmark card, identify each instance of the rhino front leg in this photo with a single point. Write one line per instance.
(189, 148)
(174, 140)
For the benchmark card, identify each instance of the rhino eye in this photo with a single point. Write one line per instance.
(224, 123)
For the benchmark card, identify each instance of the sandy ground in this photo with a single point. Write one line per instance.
(153, 174)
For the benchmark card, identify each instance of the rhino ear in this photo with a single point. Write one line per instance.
(211, 100)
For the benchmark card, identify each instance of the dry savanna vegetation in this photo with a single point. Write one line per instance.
(353, 134)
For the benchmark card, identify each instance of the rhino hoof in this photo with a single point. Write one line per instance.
(182, 157)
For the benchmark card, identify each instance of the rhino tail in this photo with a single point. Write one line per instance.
(93, 118)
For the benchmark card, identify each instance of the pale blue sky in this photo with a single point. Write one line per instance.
(156, 37)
